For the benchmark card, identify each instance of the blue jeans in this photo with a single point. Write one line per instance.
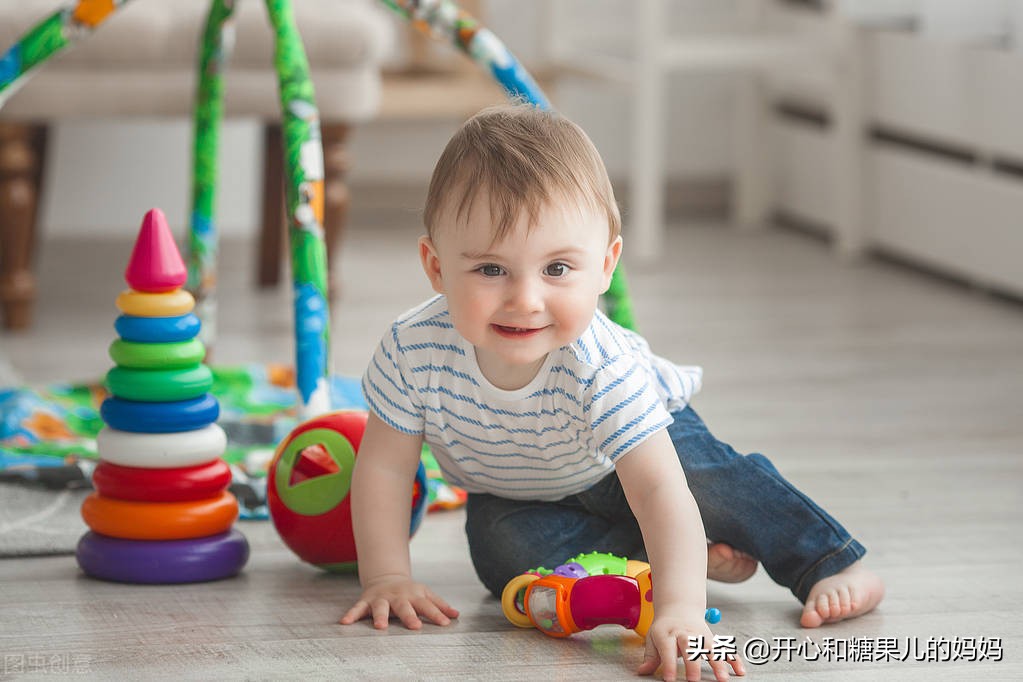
(743, 500)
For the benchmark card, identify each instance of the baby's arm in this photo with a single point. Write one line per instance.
(381, 484)
(676, 545)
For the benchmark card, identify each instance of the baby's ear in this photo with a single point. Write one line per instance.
(614, 252)
(431, 263)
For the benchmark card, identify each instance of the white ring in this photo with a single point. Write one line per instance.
(161, 450)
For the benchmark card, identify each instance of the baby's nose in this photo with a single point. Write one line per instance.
(525, 295)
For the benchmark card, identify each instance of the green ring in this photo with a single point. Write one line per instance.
(175, 355)
(159, 385)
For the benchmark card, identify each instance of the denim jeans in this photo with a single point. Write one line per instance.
(743, 500)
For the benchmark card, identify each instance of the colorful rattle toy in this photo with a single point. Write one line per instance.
(308, 484)
(586, 591)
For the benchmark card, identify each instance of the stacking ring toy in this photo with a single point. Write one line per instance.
(157, 329)
(138, 416)
(160, 385)
(159, 520)
(161, 485)
(140, 304)
(162, 562)
(175, 355)
(161, 450)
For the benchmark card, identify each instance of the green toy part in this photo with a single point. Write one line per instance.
(176, 355)
(594, 563)
(601, 563)
(318, 494)
(159, 385)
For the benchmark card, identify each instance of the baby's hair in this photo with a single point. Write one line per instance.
(521, 156)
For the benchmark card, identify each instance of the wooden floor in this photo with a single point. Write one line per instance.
(894, 399)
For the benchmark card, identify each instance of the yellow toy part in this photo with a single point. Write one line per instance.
(633, 567)
(646, 601)
(169, 304)
(510, 598)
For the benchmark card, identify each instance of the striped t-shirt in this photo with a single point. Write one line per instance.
(591, 402)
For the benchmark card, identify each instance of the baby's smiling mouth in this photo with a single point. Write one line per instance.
(516, 332)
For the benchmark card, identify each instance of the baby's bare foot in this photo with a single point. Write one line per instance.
(728, 565)
(848, 594)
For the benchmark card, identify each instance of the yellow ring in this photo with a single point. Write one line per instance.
(509, 597)
(169, 304)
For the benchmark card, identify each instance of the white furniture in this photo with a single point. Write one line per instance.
(943, 163)
(762, 40)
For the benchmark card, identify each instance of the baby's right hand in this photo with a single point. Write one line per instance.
(403, 597)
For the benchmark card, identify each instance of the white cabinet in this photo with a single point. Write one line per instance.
(942, 162)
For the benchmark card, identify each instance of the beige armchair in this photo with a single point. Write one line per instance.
(142, 63)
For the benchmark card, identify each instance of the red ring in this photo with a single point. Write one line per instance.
(181, 484)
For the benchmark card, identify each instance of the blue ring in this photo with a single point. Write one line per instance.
(160, 417)
(157, 329)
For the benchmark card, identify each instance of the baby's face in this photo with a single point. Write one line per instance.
(533, 292)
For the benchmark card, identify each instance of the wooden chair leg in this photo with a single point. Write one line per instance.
(21, 147)
(336, 201)
(336, 197)
(271, 234)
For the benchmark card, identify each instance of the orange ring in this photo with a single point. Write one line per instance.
(159, 520)
(561, 586)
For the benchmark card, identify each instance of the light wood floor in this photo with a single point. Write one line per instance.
(892, 398)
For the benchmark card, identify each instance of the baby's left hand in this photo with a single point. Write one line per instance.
(669, 638)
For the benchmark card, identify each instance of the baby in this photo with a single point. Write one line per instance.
(569, 434)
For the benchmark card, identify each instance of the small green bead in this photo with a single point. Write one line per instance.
(175, 355)
(159, 385)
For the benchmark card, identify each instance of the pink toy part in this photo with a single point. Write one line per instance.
(601, 599)
(155, 265)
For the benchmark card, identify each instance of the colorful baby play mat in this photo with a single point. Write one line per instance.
(48, 450)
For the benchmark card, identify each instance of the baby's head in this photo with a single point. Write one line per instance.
(519, 158)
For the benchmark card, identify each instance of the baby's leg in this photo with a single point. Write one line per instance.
(748, 505)
(851, 592)
(507, 537)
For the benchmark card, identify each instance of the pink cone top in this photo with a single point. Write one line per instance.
(155, 265)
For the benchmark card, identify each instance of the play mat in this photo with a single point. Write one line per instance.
(48, 434)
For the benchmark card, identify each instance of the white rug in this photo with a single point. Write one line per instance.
(36, 521)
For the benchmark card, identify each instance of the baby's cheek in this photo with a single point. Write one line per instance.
(577, 312)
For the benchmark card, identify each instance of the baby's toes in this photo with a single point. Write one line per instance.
(812, 616)
(846, 603)
(827, 605)
(834, 605)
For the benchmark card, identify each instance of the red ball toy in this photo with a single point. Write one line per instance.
(308, 484)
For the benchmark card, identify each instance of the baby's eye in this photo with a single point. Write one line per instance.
(556, 270)
(490, 270)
